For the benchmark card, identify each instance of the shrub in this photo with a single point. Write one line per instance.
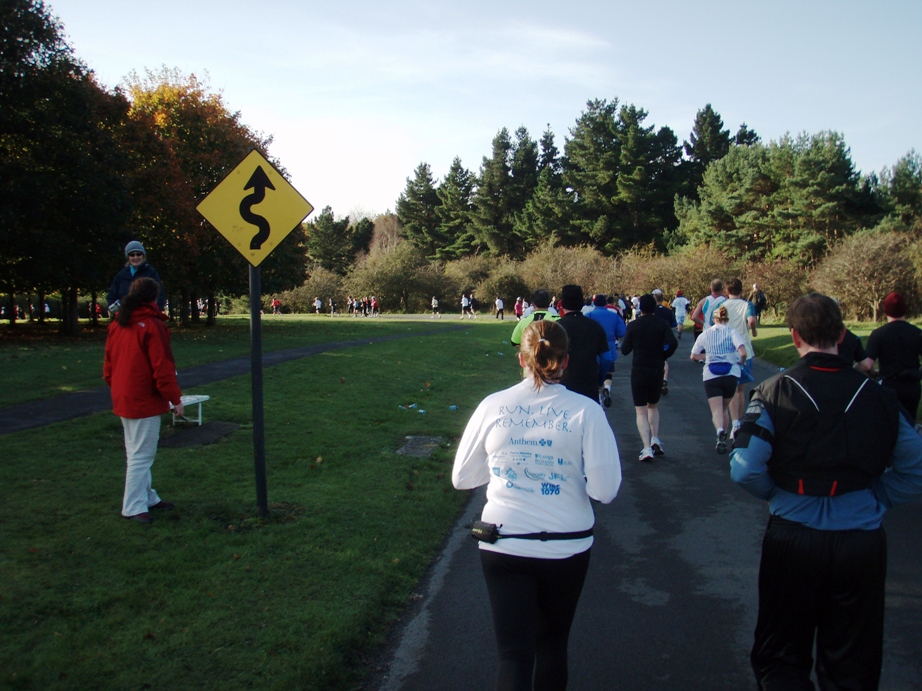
(400, 277)
(468, 273)
(781, 281)
(642, 269)
(862, 268)
(505, 283)
(321, 283)
(554, 267)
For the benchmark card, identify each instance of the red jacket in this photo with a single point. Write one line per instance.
(139, 365)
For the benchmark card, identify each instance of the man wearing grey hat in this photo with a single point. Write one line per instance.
(136, 267)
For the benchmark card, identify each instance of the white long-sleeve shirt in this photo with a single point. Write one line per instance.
(544, 454)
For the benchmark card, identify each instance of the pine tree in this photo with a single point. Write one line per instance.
(708, 142)
(416, 209)
(329, 242)
(523, 171)
(492, 202)
(590, 169)
(745, 136)
(550, 155)
(454, 213)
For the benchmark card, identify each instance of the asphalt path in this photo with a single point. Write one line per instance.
(670, 601)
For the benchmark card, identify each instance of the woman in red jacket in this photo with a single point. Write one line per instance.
(140, 370)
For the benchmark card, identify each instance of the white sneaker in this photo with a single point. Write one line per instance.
(656, 446)
(646, 455)
(721, 442)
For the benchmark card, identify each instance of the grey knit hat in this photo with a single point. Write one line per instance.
(135, 246)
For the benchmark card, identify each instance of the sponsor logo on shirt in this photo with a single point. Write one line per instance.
(549, 489)
(534, 476)
(531, 442)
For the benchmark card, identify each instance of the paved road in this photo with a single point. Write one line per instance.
(670, 600)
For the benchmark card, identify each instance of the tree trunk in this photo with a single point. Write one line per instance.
(41, 307)
(212, 312)
(183, 307)
(70, 324)
(11, 309)
(93, 315)
(193, 303)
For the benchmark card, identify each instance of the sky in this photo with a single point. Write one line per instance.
(358, 93)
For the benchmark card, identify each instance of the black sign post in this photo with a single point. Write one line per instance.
(256, 373)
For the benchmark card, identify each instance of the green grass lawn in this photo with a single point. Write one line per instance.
(212, 596)
(36, 363)
(774, 344)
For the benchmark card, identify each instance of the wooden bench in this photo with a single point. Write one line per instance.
(192, 400)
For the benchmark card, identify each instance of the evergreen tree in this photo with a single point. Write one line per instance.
(900, 191)
(547, 217)
(735, 212)
(647, 179)
(523, 171)
(745, 136)
(792, 200)
(492, 214)
(590, 169)
(416, 209)
(820, 197)
(454, 212)
(329, 242)
(708, 142)
(623, 176)
(362, 233)
(550, 155)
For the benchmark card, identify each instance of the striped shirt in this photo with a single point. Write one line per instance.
(720, 343)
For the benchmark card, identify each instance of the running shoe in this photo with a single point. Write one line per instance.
(734, 432)
(657, 447)
(721, 442)
(646, 455)
(665, 387)
(606, 398)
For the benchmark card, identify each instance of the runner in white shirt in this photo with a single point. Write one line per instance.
(543, 452)
(723, 350)
(680, 307)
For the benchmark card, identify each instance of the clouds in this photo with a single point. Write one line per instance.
(357, 94)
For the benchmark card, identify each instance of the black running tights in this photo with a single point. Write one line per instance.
(533, 602)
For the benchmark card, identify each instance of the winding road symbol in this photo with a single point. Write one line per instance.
(259, 181)
(241, 201)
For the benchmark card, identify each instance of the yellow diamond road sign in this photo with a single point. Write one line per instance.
(254, 207)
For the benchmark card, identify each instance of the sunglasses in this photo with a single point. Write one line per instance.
(135, 254)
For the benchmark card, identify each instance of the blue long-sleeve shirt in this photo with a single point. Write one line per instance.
(859, 510)
(614, 327)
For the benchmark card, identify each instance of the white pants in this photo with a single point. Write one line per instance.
(141, 437)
